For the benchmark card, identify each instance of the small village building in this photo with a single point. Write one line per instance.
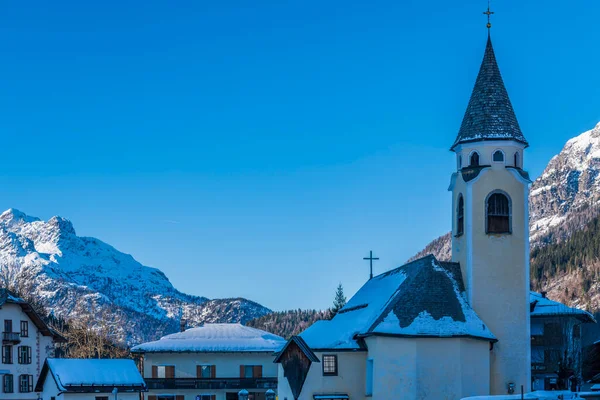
(90, 379)
(211, 362)
(26, 342)
(556, 342)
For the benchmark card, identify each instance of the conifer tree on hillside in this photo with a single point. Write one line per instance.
(339, 301)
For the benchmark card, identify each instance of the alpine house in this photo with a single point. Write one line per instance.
(440, 330)
(211, 362)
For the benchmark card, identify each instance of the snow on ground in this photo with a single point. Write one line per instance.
(541, 395)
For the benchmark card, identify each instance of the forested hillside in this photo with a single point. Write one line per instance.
(288, 323)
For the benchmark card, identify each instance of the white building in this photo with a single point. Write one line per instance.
(26, 342)
(436, 330)
(212, 362)
(92, 379)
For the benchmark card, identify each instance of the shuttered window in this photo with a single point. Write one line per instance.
(25, 383)
(163, 371)
(250, 371)
(24, 353)
(206, 371)
(8, 384)
(7, 354)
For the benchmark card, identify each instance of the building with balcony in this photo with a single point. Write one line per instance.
(26, 342)
(556, 346)
(212, 362)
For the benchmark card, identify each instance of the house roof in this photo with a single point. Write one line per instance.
(91, 375)
(424, 298)
(8, 297)
(489, 115)
(542, 306)
(304, 348)
(223, 338)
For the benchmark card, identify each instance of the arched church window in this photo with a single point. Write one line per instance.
(460, 216)
(498, 213)
(459, 162)
(498, 156)
(517, 164)
(474, 161)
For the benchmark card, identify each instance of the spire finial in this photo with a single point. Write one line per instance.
(489, 14)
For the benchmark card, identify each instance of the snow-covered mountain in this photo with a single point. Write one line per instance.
(75, 275)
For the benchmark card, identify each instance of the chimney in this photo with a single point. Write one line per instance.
(544, 295)
(182, 325)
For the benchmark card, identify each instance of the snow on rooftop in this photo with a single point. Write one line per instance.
(215, 338)
(94, 372)
(376, 306)
(545, 307)
(357, 315)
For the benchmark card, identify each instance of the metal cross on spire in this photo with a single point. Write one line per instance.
(489, 13)
(371, 259)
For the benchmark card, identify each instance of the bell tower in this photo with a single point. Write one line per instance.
(490, 223)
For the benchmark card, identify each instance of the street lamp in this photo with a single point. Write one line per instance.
(243, 394)
(270, 394)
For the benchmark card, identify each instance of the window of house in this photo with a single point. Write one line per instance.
(250, 371)
(498, 156)
(537, 354)
(498, 213)
(7, 326)
(330, 367)
(460, 216)
(24, 354)
(101, 397)
(208, 397)
(24, 329)
(8, 384)
(369, 383)
(517, 164)
(7, 354)
(205, 371)
(163, 371)
(474, 161)
(25, 383)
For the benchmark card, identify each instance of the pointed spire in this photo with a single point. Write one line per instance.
(489, 115)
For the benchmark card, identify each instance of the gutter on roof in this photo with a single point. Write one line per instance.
(400, 335)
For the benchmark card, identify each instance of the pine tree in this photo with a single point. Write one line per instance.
(339, 301)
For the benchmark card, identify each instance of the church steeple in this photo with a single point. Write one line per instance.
(489, 115)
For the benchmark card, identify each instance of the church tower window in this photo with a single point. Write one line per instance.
(498, 156)
(460, 216)
(474, 161)
(498, 213)
(459, 162)
(517, 164)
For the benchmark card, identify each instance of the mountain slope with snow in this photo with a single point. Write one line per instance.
(75, 275)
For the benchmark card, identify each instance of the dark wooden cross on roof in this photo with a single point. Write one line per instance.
(371, 259)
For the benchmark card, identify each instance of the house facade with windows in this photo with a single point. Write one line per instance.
(556, 343)
(89, 379)
(432, 329)
(211, 362)
(26, 342)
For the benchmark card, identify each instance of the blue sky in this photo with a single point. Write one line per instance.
(261, 149)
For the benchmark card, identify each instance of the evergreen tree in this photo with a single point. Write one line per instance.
(339, 301)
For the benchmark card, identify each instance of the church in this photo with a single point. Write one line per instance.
(432, 329)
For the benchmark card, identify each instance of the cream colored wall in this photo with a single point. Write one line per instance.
(429, 368)
(350, 379)
(35, 340)
(496, 267)
(227, 366)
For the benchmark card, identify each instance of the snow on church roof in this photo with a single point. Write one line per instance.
(424, 298)
(223, 338)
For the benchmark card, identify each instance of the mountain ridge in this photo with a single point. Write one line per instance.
(76, 275)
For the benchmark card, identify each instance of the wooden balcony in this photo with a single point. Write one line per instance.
(211, 383)
(11, 338)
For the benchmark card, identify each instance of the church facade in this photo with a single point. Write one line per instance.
(433, 329)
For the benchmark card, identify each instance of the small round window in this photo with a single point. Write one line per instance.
(498, 156)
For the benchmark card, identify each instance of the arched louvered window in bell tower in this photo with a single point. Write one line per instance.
(460, 216)
(498, 213)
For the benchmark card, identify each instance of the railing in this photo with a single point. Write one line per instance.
(211, 383)
(11, 337)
